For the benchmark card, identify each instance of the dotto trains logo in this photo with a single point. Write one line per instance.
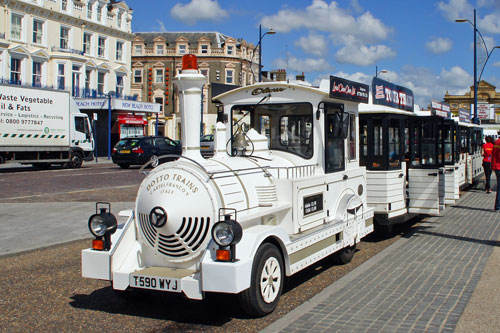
(172, 184)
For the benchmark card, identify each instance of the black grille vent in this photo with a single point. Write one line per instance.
(184, 242)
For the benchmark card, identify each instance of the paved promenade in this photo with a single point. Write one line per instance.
(437, 279)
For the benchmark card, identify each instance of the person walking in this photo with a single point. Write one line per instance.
(486, 151)
(495, 165)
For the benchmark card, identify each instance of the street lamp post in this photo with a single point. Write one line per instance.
(381, 71)
(270, 32)
(476, 31)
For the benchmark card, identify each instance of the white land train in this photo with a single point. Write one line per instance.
(240, 224)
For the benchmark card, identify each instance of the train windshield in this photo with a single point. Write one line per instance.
(288, 127)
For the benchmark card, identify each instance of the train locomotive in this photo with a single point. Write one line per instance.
(283, 190)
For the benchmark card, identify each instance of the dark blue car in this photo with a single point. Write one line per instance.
(140, 150)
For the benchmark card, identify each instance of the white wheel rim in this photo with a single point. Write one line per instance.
(270, 280)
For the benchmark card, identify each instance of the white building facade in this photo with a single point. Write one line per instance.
(83, 46)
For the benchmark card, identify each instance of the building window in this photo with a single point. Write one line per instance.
(37, 74)
(159, 76)
(37, 31)
(137, 75)
(204, 49)
(101, 46)
(60, 77)
(100, 83)
(229, 76)
(138, 50)
(119, 51)
(64, 5)
(64, 39)
(159, 49)
(16, 26)
(99, 13)
(88, 75)
(87, 43)
(204, 72)
(89, 11)
(229, 50)
(75, 82)
(119, 84)
(182, 49)
(119, 19)
(159, 100)
(15, 70)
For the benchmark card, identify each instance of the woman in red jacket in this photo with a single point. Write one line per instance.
(495, 165)
(486, 151)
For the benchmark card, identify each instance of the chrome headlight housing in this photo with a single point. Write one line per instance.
(102, 223)
(227, 232)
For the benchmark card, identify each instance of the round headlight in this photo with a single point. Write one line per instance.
(223, 234)
(227, 232)
(101, 224)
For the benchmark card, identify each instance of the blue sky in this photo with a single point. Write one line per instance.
(417, 42)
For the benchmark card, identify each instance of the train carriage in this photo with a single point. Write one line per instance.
(283, 190)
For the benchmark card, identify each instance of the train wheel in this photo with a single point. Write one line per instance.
(345, 255)
(266, 282)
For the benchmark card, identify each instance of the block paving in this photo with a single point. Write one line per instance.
(421, 283)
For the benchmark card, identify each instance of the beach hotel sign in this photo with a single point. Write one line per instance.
(389, 94)
(117, 104)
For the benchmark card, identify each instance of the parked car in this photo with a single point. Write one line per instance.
(140, 150)
(207, 145)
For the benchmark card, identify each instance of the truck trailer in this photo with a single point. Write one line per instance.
(43, 127)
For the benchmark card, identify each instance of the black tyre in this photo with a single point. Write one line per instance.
(345, 255)
(266, 282)
(76, 160)
(43, 166)
(123, 165)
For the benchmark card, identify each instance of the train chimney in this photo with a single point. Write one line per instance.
(190, 82)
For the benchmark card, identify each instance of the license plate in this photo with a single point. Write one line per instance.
(125, 151)
(155, 283)
(204, 147)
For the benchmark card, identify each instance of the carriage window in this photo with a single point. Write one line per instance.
(414, 140)
(352, 137)
(428, 143)
(296, 134)
(265, 128)
(378, 141)
(448, 142)
(363, 142)
(335, 132)
(394, 144)
(288, 127)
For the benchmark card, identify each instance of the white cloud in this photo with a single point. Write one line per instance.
(355, 53)
(490, 23)
(325, 17)
(456, 9)
(198, 10)
(439, 45)
(162, 26)
(428, 86)
(355, 35)
(313, 44)
(302, 65)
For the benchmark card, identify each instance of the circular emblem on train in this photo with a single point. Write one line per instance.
(158, 217)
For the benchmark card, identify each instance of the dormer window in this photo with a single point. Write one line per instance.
(204, 49)
(159, 49)
(182, 49)
(230, 50)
